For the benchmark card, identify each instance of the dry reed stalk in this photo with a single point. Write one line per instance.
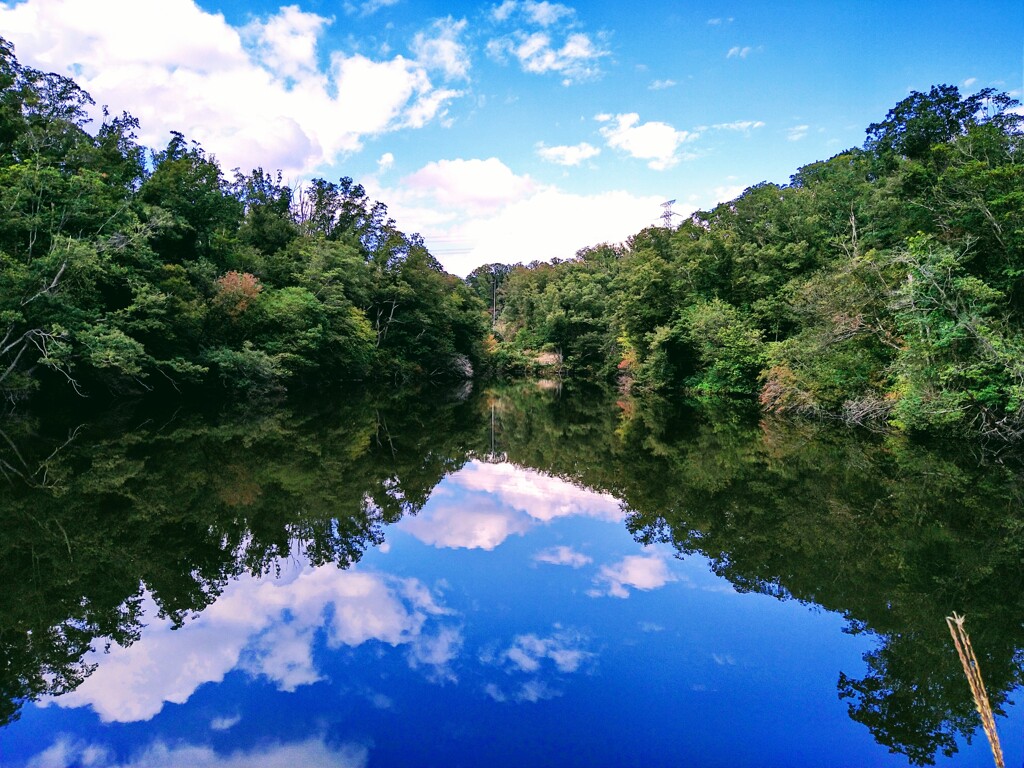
(966, 653)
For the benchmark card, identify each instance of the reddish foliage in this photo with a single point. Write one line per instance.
(235, 290)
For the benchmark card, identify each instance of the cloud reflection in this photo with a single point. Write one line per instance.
(643, 572)
(482, 504)
(561, 653)
(562, 555)
(267, 628)
(65, 752)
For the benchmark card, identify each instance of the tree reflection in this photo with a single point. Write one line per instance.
(891, 534)
(177, 507)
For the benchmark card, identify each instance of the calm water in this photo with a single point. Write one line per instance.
(515, 577)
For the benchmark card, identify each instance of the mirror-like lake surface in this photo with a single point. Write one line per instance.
(523, 576)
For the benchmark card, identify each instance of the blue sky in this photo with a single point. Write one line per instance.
(519, 130)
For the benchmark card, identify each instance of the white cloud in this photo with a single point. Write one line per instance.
(502, 12)
(540, 496)
(739, 52)
(562, 555)
(247, 628)
(481, 505)
(495, 501)
(368, 7)
(576, 60)
(437, 651)
(717, 22)
(385, 163)
(644, 572)
(225, 723)
(656, 142)
(65, 752)
(530, 691)
(568, 155)
(440, 48)
(474, 186)
(510, 218)
(724, 193)
(970, 81)
(456, 526)
(563, 651)
(253, 96)
(314, 751)
(286, 42)
(739, 125)
(660, 85)
(797, 132)
(545, 14)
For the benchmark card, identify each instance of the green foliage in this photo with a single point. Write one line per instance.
(884, 284)
(728, 348)
(115, 277)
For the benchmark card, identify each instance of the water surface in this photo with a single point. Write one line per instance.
(514, 577)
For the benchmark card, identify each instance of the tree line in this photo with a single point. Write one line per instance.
(883, 285)
(125, 270)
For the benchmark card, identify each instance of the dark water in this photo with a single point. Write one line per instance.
(516, 577)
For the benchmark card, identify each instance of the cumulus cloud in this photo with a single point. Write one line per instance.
(644, 572)
(738, 52)
(286, 42)
(546, 41)
(266, 628)
(483, 525)
(508, 218)
(540, 496)
(542, 14)
(481, 505)
(562, 555)
(545, 14)
(473, 186)
(656, 142)
(502, 12)
(561, 653)
(368, 7)
(797, 132)
(577, 59)
(65, 752)
(436, 652)
(225, 723)
(385, 162)
(660, 85)
(255, 95)
(440, 48)
(568, 155)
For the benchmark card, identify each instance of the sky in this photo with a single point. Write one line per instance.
(524, 129)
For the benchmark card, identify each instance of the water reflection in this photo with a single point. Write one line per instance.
(483, 504)
(306, 579)
(266, 628)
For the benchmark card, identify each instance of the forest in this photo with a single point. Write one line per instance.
(882, 286)
(125, 271)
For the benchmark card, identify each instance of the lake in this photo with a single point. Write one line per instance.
(525, 575)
